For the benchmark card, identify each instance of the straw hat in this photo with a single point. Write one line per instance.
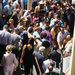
(41, 2)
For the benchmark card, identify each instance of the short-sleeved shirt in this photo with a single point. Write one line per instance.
(61, 37)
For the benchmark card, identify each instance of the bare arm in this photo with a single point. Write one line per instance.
(60, 47)
(23, 51)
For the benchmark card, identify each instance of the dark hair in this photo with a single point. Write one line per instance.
(51, 68)
(52, 63)
(49, 55)
(42, 19)
(39, 29)
(31, 24)
(44, 35)
(47, 28)
(21, 21)
(55, 47)
(31, 41)
(46, 44)
(25, 39)
(47, 3)
(30, 30)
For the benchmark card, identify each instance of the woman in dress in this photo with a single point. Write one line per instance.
(27, 56)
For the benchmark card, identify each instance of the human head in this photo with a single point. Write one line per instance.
(16, 30)
(21, 22)
(25, 34)
(50, 68)
(47, 3)
(18, 10)
(55, 15)
(11, 21)
(47, 28)
(5, 27)
(31, 41)
(52, 63)
(68, 37)
(65, 24)
(47, 23)
(46, 44)
(56, 27)
(50, 14)
(25, 37)
(31, 24)
(9, 48)
(44, 35)
(41, 3)
(55, 47)
(62, 30)
(39, 29)
(31, 30)
(21, 28)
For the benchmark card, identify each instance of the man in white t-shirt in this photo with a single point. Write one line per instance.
(61, 36)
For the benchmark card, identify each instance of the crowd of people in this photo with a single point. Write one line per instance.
(40, 36)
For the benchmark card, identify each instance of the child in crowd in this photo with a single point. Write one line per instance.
(9, 61)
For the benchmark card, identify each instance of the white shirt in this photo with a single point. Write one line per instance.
(46, 64)
(26, 13)
(15, 3)
(61, 37)
(42, 26)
